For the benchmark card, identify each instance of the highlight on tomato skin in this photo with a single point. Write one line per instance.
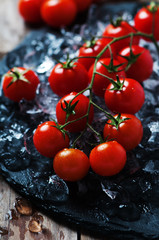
(129, 99)
(128, 133)
(91, 49)
(141, 62)
(100, 82)
(145, 18)
(30, 10)
(58, 13)
(81, 107)
(48, 139)
(71, 164)
(118, 29)
(20, 83)
(65, 79)
(108, 158)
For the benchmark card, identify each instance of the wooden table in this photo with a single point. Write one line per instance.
(12, 31)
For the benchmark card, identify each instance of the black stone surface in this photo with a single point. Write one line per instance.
(125, 206)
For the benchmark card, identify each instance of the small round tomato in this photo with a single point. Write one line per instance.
(58, 13)
(77, 109)
(82, 5)
(20, 83)
(108, 159)
(49, 140)
(127, 132)
(66, 78)
(145, 18)
(142, 63)
(127, 100)
(92, 49)
(30, 10)
(108, 68)
(119, 29)
(71, 164)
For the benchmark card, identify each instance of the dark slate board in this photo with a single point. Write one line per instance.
(125, 206)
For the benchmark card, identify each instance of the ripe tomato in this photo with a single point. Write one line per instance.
(142, 63)
(19, 83)
(119, 29)
(58, 13)
(145, 18)
(128, 133)
(92, 49)
(108, 158)
(76, 112)
(49, 140)
(111, 70)
(82, 5)
(71, 164)
(64, 80)
(30, 10)
(128, 100)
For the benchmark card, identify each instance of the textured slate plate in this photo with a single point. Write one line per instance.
(125, 206)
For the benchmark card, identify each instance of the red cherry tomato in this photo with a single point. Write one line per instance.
(20, 83)
(71, 164)
(92, 49)
(58, 13)
(64, 80)
(30, 10)
(129, 132)
(49, 140)
(101, 83)
(120, 29)
(141, 67)
(108, 159)
(145, 19)
(128, 100)
(79, 111)
(82, 5)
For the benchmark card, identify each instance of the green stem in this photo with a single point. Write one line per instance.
(97, 133)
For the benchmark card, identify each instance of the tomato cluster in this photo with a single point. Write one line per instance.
(56, 13)
(112, 68)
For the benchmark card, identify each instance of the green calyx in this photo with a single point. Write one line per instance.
(17, 75)
(69, 109)
(117, 22)
(111, 68)
(118, 85)
(117, 121)
(59, 127)
(90, 43)
(132, 58)
(68, 64)
(153, 7)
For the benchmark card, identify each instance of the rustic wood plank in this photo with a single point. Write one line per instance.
(18, 229)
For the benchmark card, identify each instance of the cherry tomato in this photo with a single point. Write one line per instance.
(128, 132)
(30, 10)
(119, 29)
(108, 159)
(20, 83)
(128, 100)
(111, 70)
(82, 5)
(49, 140)
(92, 49)
(145, 18)
(65, 79)
(58, 13)
(77, 109)
(71, 164)
(142, 63)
